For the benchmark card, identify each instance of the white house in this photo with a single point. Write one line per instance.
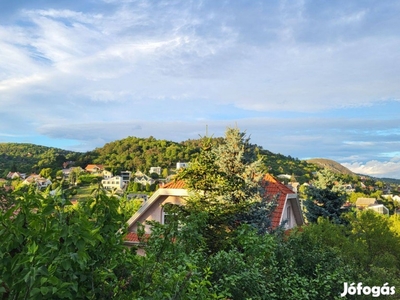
(181, 165)
(112, 183)
(107, 174)
(38, 180)
(371, 203)
(156, 170)
(143, 179)
(13, 175)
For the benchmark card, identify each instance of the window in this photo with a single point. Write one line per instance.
(288, 216)
(165, 217)
(169, 216)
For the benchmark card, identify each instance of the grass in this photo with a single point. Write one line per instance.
(83, 192)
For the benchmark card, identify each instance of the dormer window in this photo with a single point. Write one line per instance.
(288, 216)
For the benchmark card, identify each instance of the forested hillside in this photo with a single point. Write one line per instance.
(134, 154)
(30, 158)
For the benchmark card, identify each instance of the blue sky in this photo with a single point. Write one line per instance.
(303, 78)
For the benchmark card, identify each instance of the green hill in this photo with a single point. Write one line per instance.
(133, 154)
(30, 158)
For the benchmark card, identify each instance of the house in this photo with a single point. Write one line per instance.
(362, 203)
(126, 175)
(67, 171)
(94, 169)
(287, 211)
(112, 183)
(181, 165)
(173, 192)
(349, 188)
(14, 175)
(156, 170)
(371, 203)
(107, 174)
(143, 179)
(38, 180)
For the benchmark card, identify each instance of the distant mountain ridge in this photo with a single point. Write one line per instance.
(331, 165)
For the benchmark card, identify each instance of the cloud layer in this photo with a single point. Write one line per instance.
(304, 78)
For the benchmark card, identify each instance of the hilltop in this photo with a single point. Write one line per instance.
(331, 165)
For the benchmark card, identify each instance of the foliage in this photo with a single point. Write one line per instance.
(89, 179)
(53, 250)
(226, 183)
(325, 198)
(214, 248)
(134, 153)
(29, 158)
(46, 173)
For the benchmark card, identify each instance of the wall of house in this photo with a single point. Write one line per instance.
(154, 213)
(113, 183)
(289, 215)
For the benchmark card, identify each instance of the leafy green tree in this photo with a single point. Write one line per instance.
(74, 175)
(46, 172)
(165, 173)
(355, 195)
(147, 188)
(52, 250)
(59, 174)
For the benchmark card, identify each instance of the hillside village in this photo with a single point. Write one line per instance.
(363, 191)
(203, 225)
(151, 189)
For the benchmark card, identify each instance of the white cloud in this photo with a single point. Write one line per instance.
(376, 168)
(284, 71)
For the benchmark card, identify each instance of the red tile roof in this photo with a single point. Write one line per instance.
(179, 184)
(273, 188)
(134, 238)
(90, 167)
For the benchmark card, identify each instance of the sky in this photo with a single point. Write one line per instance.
(309, 79)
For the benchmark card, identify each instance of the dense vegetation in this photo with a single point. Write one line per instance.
(134, 154)
(29, 158)
(211, 248)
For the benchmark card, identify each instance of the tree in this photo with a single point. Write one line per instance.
(46, 172)
(226, 183)
(164, 173)
(74, 175)
(324, 198)
(59, 174)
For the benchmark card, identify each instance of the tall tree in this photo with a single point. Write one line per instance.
(226, 183)
(325, 198)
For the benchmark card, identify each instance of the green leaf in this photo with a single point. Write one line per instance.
(44, 290)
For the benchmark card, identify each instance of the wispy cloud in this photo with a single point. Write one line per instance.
(293, 73)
